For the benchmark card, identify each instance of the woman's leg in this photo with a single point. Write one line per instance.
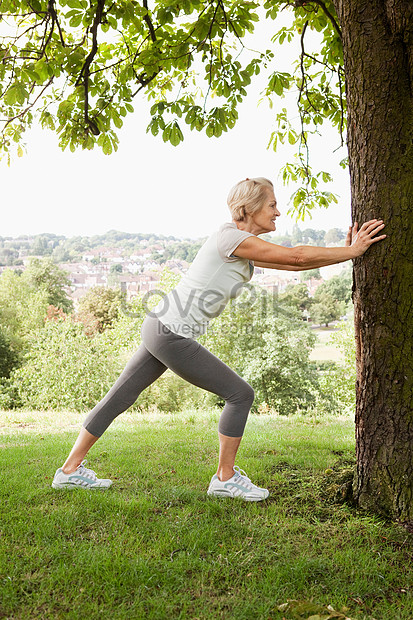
(228, 448)
(141, 370)
(139, 373)
(80, 448)
(194, 363)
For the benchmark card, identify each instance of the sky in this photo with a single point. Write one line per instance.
(152, 187)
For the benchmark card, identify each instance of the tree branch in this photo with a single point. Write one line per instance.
(302, 88)
(46, 43)
(330, 17)
(144, 82)
(85, 72)
(149, 22)
(303, 78)
(51, 9)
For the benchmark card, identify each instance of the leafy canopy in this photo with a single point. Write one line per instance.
(77, 66)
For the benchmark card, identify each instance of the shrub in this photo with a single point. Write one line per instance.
(340, 381)
(63, 369)
(8, 356)
(98, 309)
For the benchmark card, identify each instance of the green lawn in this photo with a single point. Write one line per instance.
(155, 546)
(323, 350)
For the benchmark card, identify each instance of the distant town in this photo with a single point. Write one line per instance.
(135, 262)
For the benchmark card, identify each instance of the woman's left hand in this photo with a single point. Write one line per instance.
(361, 239)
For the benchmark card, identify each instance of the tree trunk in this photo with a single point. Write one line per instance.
(378, 60)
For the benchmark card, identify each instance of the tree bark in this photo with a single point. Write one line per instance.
(378, 58)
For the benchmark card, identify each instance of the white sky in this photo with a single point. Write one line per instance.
(149, 186)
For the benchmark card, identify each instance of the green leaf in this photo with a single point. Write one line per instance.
(176, 135)
(209, 130)
(41, 69)
(153, 127)
(344, 163)
(166, 134)
(117, 121)
(107, 146)
(17, 93)
(10, 97)
(28, 73)
(76, 20)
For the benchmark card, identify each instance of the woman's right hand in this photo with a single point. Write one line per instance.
(361, 240)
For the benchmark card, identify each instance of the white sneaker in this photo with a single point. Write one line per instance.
(82, 478)
(237, 486)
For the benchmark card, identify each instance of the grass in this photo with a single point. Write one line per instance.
(323, 350)
(155, 546)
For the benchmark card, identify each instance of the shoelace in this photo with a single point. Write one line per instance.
(85, 470)
(241, 473)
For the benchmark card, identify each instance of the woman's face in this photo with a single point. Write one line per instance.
(264, 220)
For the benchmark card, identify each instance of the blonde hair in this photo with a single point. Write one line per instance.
(247, 197)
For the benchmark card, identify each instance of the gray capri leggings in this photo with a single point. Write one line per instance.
(162, 349)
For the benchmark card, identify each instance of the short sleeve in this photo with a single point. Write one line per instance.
(228, 239)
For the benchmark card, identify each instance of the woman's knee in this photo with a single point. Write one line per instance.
(244, 395)
(250, 394)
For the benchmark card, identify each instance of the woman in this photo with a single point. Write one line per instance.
(222, 266)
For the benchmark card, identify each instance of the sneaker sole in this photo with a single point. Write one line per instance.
(243, 497)
(72, 487)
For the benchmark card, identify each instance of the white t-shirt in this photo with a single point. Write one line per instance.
(214, 278)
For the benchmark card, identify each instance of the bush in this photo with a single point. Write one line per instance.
(99, 309)
(8, 356)
(63, 369)
(278, 366)
(23, 308)
(339, 382)
(170, 394)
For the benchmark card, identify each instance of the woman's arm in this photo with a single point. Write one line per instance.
(258, 263)
(303, 257)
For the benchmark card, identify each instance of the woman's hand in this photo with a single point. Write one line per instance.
(361, 240)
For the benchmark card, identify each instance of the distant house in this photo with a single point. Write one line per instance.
(276, 280)
(140, 255)
(177, 265)
(78, 279)
(150, 265)
(132, 267)
(95, 280)
(139, 284)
